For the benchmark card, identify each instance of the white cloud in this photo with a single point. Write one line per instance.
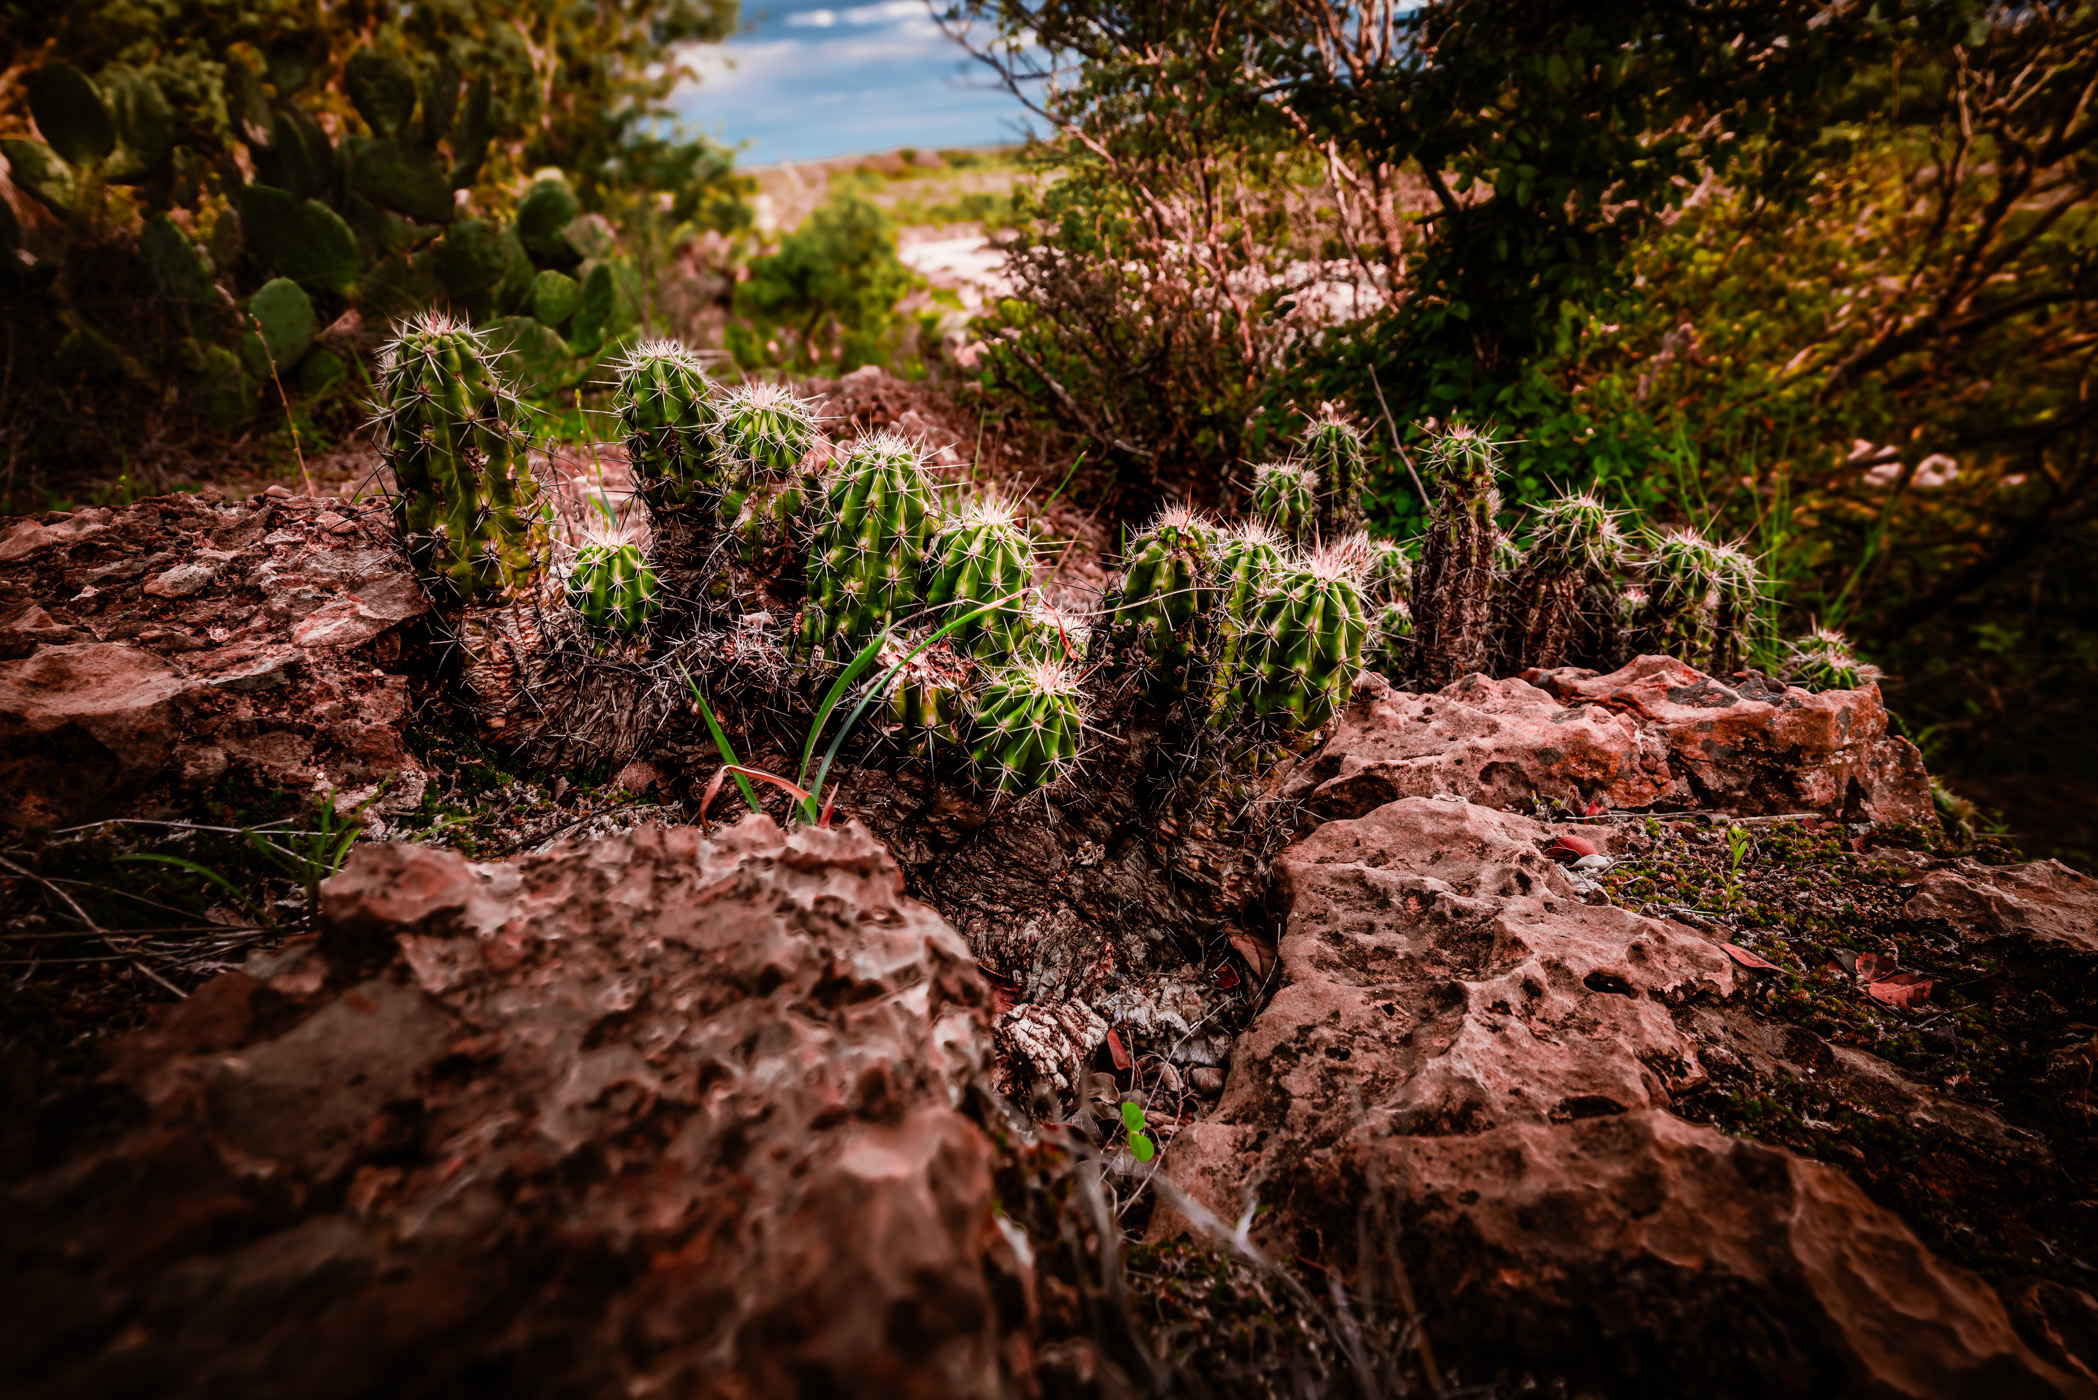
(814, 19)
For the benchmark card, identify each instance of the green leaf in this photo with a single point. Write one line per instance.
(383, 89)
(320, 371)
(289, 143)
(1132, 1117)
(71, 114)
(41, 173)
(721, 744)
(304, 240)
(1141, 1147)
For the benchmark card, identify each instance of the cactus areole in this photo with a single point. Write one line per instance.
(465, 502)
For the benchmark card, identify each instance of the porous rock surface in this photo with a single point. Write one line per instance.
(2043, 902)
(157, 650)
(1655, 732)
(1463, 1053)
(654, 1115)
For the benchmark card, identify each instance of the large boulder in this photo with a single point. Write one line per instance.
(1464, 1054)
(151, 653)
(654, 1115)
(1655, 733)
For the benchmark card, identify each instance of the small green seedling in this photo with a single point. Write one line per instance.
(1140, 1146)
(1737, 846)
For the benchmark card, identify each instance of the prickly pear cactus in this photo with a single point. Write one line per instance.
(666, 409)
(979, 556)
(1303, 648)
(466, 505)
(613, 588)
(1389, 649)
(1285, 497)
(1334, 451)
(868, 543)
(1556, 604)
(1024, 731)
(1823, 660)
(1452, 596)
(1161, 616)
(1701, 599)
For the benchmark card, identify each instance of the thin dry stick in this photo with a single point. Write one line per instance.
(107, 937)
(284, 399)
(1404, 455)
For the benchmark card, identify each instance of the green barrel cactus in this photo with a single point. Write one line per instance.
(1160, 617)
(930, 694)
(1823, 660)
(1555, 604)
(1050, 633)
(1023, 733)
(868, 543)
(979, 556)
(764, 430)
(763, 435)
(666, 415)
(1285, 496)
(1701, 599)
(1303, 647)
(613, 588)
(465, 503)
(1249, 558)
(1452, 598)
(1333, 448)
(1386, 570)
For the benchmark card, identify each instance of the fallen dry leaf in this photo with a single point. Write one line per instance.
(1258, 953)
(1747, 959)
(1570, 848)
(1904, 990)
(1225, 976)
(1874, 968)
(1115, 1050)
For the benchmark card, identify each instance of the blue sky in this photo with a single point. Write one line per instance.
(807, 80)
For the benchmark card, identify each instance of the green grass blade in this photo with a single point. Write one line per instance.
(204, 870)
(721, 743)
(830, 756)
(836, 693)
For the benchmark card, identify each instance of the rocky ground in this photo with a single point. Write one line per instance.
(1614, 1035)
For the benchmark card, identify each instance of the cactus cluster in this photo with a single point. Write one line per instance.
(1701, 596)
(1823, 660)
(1167, 600)
(1303, 643)
(465, 504)
(1558, 597)
(1453, 588)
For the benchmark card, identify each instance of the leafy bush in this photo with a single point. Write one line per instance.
(827, 299)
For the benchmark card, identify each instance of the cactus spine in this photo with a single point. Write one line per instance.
(980, 556)
(1333, 446)
(1024, 732)
(1053, 634)
(1575, 549)
(869, 543)
(466, 505)
(1285, 496)
(666, 410)
(1167, 599)
(1303, 647)
(1453, 591)
(613, 588)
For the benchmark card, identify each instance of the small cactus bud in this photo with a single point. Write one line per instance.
(1823, 660)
